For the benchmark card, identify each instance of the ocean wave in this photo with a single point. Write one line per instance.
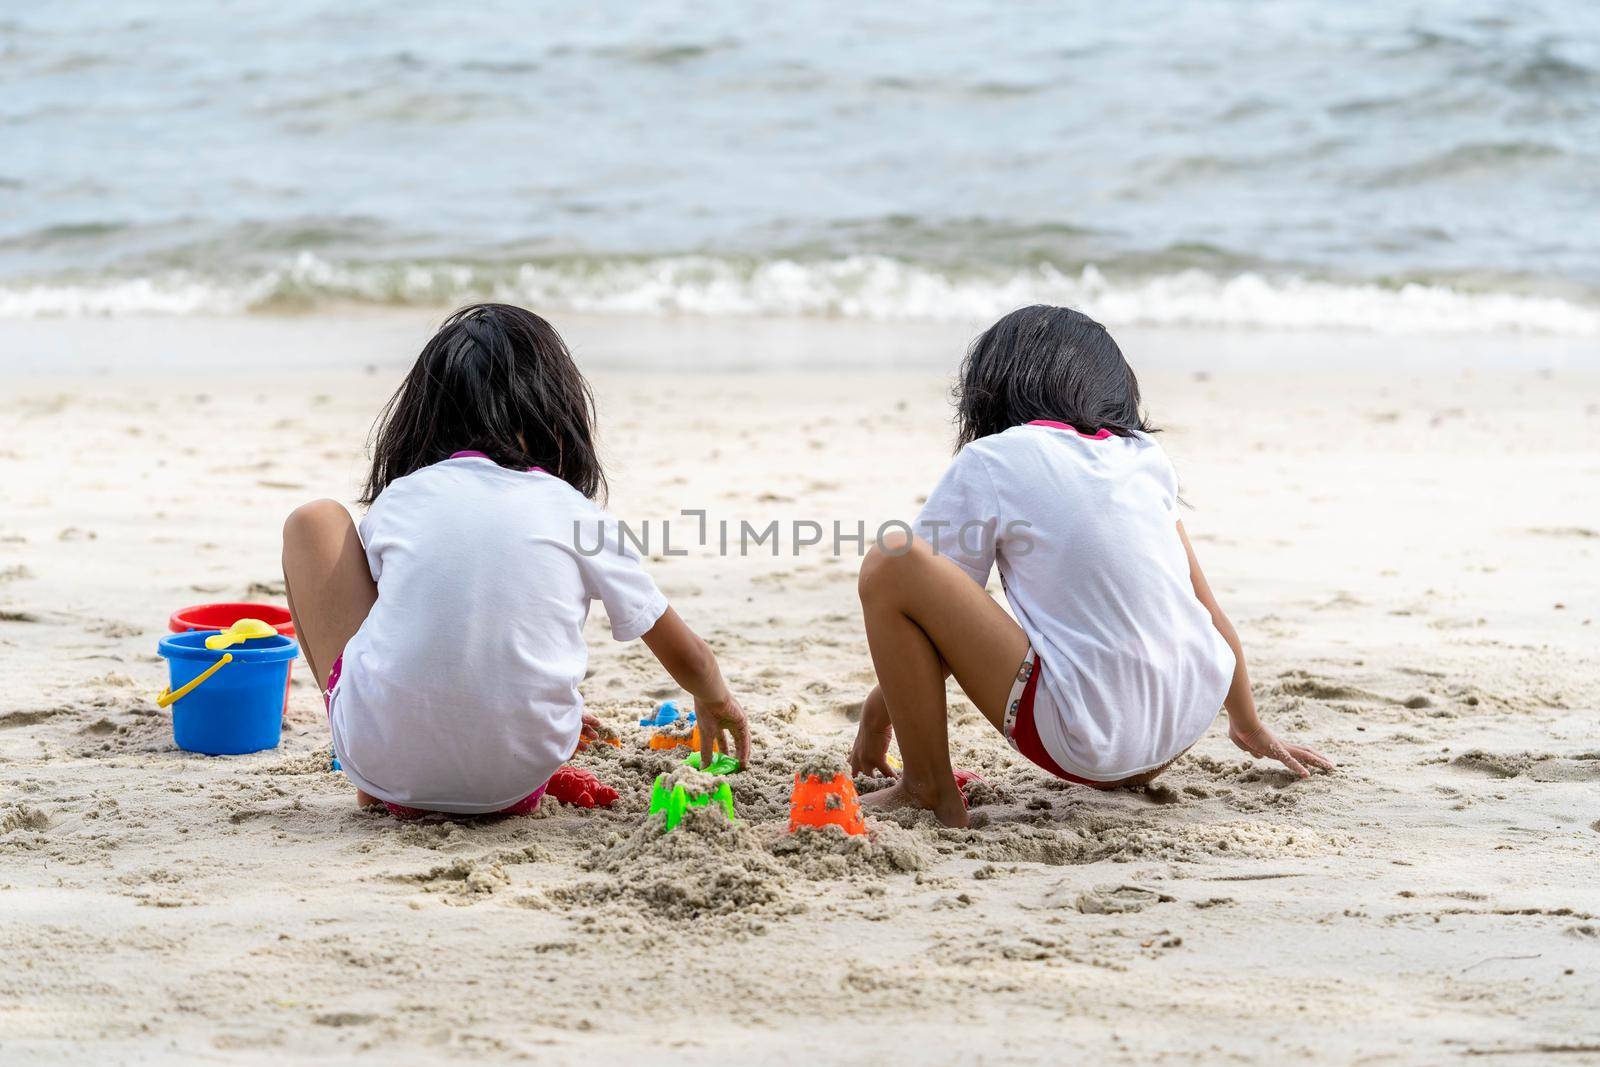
(1484, 159)
(857, 286)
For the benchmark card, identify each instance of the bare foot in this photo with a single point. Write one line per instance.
(948, 809)
(366, 800)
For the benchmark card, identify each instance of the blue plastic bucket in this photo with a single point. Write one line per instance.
(238, 708)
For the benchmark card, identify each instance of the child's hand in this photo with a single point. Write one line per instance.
(691, 664)
(717, 719)
(1263, 743)
(870, 753)
(590, 728)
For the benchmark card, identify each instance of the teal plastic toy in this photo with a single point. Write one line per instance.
(667, 713)
(678, 800)
(721, 763)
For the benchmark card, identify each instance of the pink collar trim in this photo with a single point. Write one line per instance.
(472, 453)
(1099, 435)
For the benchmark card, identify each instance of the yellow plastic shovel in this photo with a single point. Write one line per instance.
(243, 630)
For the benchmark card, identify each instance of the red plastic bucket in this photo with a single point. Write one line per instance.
(222, 616)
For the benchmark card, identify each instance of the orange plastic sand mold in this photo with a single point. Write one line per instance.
(664, 740)
(584, 742)
(816, 803)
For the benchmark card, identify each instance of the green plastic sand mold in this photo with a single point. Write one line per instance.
(721, 763)
(677, 801)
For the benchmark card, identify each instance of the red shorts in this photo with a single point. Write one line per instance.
(1020, 729)
(525, 806)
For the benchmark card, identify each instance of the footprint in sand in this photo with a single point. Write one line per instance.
(30, 716)
(1118, 899)
(850, 710)
(23, 817)
(114, 628)
(1540, 767)
(464, 878)
(1304, 684)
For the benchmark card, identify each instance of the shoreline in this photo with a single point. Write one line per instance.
(388, 339)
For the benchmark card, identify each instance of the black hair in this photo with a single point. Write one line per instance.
(496, 379)
(1044, 362)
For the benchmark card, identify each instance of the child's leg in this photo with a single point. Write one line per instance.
(920, 610)
(329, 586)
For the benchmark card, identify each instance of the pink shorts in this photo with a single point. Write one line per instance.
(525, 806)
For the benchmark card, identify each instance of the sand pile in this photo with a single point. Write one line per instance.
(1020, 816)
(822, 765)
(707, 866)
(753, 866)
(828, 852)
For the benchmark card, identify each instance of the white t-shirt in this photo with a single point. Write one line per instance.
(1085, 532)
(460, 691)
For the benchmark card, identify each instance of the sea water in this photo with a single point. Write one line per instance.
(1389, 167)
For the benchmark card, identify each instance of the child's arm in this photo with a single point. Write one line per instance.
(1245, 728)
(690, 662)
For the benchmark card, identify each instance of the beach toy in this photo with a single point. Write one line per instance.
(580, 788)
(222, 616)
(677, 800)
(965, 780)
(584, 742)
(721, 763)
(667, 713)
(666, 738)
(238, 633)
(602, 735)
(816, 803)
(226, 703)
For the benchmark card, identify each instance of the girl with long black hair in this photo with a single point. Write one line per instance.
(447, 632)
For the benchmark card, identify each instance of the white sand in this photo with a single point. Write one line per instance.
(1412, 556)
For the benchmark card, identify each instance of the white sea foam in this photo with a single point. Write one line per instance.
(863, 286)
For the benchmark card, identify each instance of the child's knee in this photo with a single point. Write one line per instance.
(313, 520)
(887, 561)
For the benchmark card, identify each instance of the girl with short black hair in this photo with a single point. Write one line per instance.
(1119, 656)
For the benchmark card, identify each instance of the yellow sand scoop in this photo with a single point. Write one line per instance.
(243, 630)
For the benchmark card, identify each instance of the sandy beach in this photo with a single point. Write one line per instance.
(1410, 555)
